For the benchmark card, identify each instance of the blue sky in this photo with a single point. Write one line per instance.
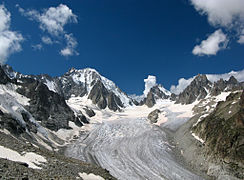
(128, 40)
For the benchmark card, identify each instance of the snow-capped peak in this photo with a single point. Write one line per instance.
(88, 76)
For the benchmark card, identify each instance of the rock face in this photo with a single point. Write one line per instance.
(198, 89)
(46, 106)
(86, 82)
(155, 93)
(223, 132)
(4, 79)
(231, 85)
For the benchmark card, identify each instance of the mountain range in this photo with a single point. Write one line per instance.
(35, 107)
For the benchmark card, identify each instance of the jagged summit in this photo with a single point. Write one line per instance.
(82, 83)
(103, 92)
(200, 87)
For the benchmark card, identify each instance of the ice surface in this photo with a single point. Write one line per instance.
(127, 145)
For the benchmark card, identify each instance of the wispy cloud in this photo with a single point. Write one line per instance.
(9, 40)
(37, 47)
(47, 40)
(69, 50)
(227, 14)
(214, 43)
(53, 21)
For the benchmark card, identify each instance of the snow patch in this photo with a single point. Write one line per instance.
(90, 176)
(51, 85)
(66, 134)
(197, 138)
(31, 158)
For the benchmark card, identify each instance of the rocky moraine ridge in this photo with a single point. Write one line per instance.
(34, 108)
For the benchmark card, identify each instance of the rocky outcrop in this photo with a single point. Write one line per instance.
(153, 116)
(46, 106)
(149, 100)
(89, 112)
(153, 95)
(223, 132)
(86, 82)
(11, 124)
(198, 89)
(221, 85)
(4, 79)
(103, 98)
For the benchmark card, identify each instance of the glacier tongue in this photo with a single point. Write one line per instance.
(129, 147)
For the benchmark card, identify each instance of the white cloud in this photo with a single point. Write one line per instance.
(183, 83)
(52, 19)
(227, 14)
(9, 40)
(221, 12)
(212, 44)
(149, 83)
(239, 75)
(37, 47)
(47, 40)
(69, 50)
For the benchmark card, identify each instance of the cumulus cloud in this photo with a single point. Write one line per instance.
(9, 40)
(149, 83)
(212, 44)
(228, 14)
(69, 50)
(221, 12)
(183, 83)
(52, 21)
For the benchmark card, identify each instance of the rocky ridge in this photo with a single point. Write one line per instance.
(223, 133)
(86, 82)
(200, 87)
